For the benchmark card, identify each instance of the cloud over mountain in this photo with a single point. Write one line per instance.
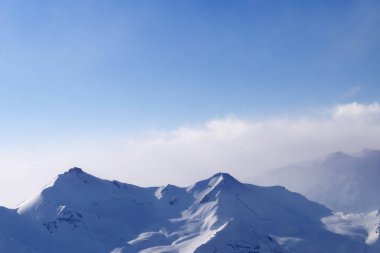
(237, 145)
(240, 145)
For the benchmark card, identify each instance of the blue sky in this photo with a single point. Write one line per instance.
(76, 72)
(81, 67)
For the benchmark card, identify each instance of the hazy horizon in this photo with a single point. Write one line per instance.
(157, 92)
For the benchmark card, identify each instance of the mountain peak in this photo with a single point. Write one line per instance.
(75, 170)
(75, 175)
(71, 174)
(224, 179)
(224, 175)
(337, 155)
(338, 158)
(210, 188)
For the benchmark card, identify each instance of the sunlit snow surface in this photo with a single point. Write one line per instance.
(78, 212)
(362, 227)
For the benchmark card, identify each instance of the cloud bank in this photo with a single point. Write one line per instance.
(245, 148)
(240, 146)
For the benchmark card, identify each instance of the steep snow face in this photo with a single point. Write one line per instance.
(93, 214)
(340, 181)
(78, 212)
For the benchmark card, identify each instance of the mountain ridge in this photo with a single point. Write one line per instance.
(79, 212)
(342, 182)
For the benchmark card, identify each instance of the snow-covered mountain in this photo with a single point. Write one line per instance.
(360, 227)
(340, 181)
(78, 212)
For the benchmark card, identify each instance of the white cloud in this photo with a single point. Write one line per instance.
(239, 146)
(245, 147)
(356, 112)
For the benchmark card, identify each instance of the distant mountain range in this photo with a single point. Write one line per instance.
(78, 212)
(342, 182)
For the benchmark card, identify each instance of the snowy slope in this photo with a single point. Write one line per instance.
(360, 227)
(341, 182)
(78, 212)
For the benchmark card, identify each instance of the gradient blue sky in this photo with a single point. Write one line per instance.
(100, 67)
(79, 79)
